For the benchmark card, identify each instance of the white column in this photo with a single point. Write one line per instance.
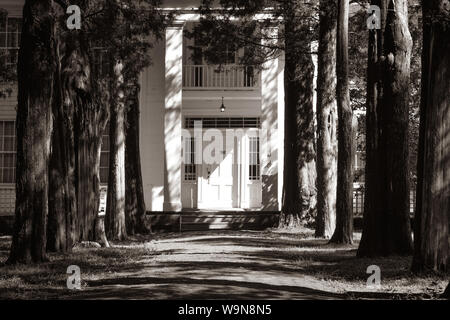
(281, 62)
(172, 117)
(269, 132)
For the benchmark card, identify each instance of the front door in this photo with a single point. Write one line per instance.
(218, 179)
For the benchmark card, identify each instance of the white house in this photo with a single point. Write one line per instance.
(182, 122)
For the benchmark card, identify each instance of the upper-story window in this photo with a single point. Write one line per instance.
(101, 59)
(222, 67)
(229, 55)
(10, 31)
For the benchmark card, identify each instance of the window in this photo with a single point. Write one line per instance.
(10, 31)
(224, 123)
(254, 165)
(190, 169)
(249, 76)
(101, 62)
(104, 157)
(229, 54)
(7, 152)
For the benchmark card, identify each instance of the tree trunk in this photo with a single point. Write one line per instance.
(62, 230)
(446, 293)
(115, 207)
(386, 227)
(326, 122)
(431, 237)
(299, 160)
(36, 69)
(100, 232)
(135, 210)
(372, 188)
(344, 208)
(91, 117)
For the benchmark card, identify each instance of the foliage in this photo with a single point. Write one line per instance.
(248, 26)
(358, 35)
(127, 29)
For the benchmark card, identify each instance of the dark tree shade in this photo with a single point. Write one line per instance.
(344, 208)
(386, 227)
(326, 121)
(446, 293)
(299, 187)
(63, 230)
(134, 193)
(36, 68)
(115, 207)
(431, 236)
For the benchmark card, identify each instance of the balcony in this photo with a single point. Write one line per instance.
(214, 77)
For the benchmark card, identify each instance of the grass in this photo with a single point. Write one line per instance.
(48, 280)
(271, 264)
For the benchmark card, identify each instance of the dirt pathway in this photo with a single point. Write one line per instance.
(220, 265)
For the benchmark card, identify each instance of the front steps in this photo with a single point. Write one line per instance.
(212, 220)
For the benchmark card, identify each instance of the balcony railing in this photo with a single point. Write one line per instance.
(220, 77)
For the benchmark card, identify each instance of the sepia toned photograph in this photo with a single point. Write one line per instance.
(228, 157)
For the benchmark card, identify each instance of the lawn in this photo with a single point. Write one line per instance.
(270, 264)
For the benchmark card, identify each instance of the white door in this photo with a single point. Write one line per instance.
(218, 180)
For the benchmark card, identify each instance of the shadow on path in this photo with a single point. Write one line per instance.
(189, 288)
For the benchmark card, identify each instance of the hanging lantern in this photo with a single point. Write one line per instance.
(222, 107)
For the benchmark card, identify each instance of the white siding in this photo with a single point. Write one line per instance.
(7, 199)
(14, 7)
(8, 106)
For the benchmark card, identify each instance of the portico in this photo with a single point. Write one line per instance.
(181, 120)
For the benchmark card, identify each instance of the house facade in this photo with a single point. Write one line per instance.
(211, 137)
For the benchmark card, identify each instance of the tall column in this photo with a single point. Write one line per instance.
(281, 62)
(172, 117)
(269, 132)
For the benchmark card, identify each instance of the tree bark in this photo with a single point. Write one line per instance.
(115, 208)
(62, 230)
(299, 159)
(372, 187)
(36, 69)
(431, 222)
(446, 293)
(326, 122)
(91, 117)
(100, 232)
(135, 211)
(386, 227)
(344, 208)
(62, 216)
